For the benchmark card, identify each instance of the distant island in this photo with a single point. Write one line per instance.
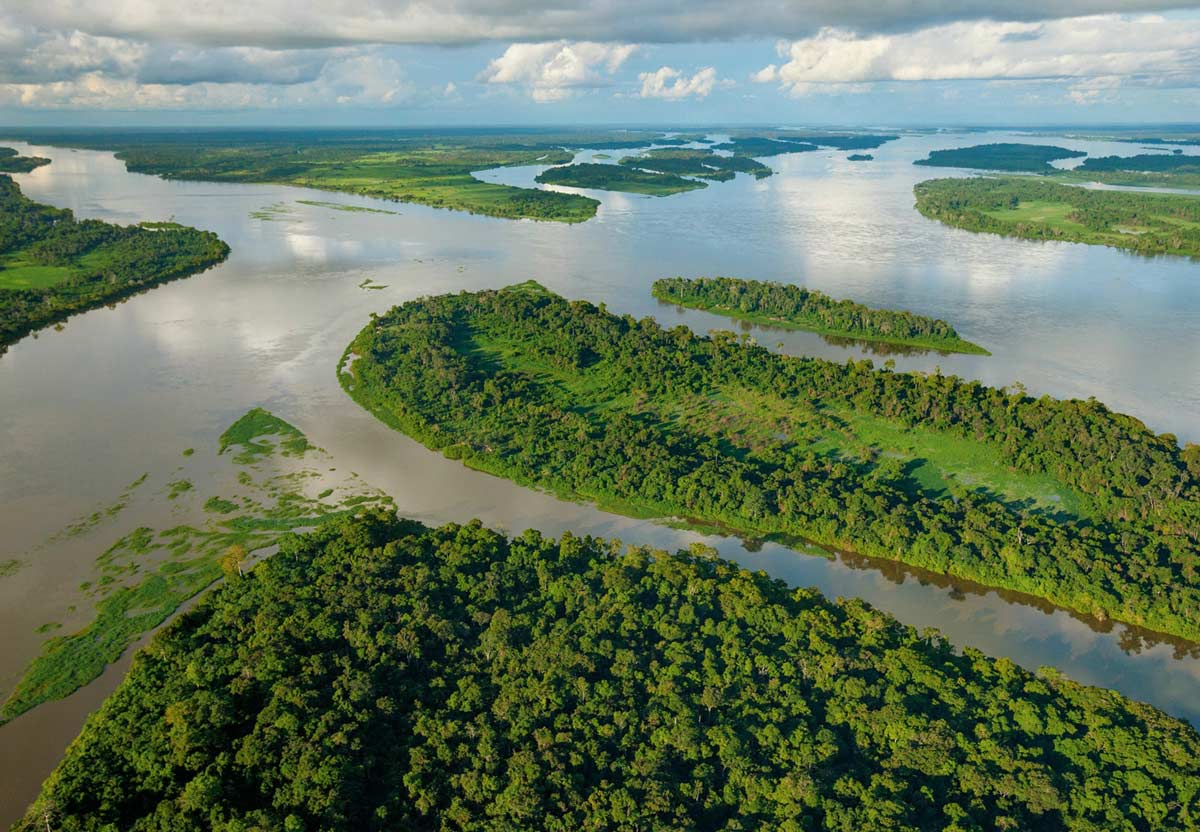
(1005, 156)
(1059, 499)
(1158, 170)
(12, 162)
(1037, 209)
(618, 178)
(695, 162)
(783, 305)
(860, 157)
(53, 265)
(379, 675)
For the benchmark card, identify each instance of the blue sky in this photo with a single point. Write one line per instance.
(395, 62)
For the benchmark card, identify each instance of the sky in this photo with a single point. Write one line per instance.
(543, 62)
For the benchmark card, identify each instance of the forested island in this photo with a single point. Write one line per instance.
(53, 265)
(618, 178)
(780, 304)
(1159, 170)
(380, 675)
(860, 157)
(697, 162)
(1063, 500)
(433, 168)
(12, 162)
(1039, 210)
(1006, 156)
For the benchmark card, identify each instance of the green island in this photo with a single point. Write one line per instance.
(143, 577)
(758, 146)
(1035, 209)
(377, 675)
(860, 157)
(618, 178)
(1063, 500)
(432, 168)
(1156, 170)
(53, 265)
(13, 162)
(702, 163)
(783, 305)
(1006, 156)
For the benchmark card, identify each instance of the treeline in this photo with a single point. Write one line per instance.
(1009, 156)
(1143, 222)
(573, 398)
(618, 178)
(1151, 162)
(379, 675)
(12, 162)
(702, 163)
(106, 262)
(780, 304)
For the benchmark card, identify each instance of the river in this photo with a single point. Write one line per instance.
(122, 391)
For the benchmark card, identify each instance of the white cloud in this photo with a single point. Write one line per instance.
(553, 71)
(1090, 47)
(359, 79)
(286, 23)
(766, 75)
(667, 82)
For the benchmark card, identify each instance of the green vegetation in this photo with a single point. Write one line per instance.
(1064, 500)
(841, 141)
(860, 157)
(352, 209)
(778, 304)
(702, 163)
(618, 178)
(11, 162)
(10, 567)
(1028, 158)
(52, 265)
(434, 169)
(1039, 210)
(1156, 170)
(146, 575)
(258, 424)
(753, 146)
(378, 675)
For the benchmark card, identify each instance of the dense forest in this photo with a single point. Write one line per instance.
(379, 675)
(618, 178)
(53, 265)
(695, 162)
(12, 162)
(780, 304)
(757, 146)
(524, 384)
(1008, 156)
(1040, 210)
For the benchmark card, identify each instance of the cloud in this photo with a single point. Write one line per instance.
(1089, 47)
(666, 82)
(365, 80)
(288, 24)
(553, 71)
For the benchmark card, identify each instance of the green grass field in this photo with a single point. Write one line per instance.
(16, 273)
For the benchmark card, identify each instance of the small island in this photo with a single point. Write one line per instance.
(618, 178)
(860, 157)
(53, 265)
(1037, 209)
(12, 162)
(704, 164)
(1063, 500)
(794, 307)
(1155, 170)
(758, 146)
(380, 675)
(1006, 156)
